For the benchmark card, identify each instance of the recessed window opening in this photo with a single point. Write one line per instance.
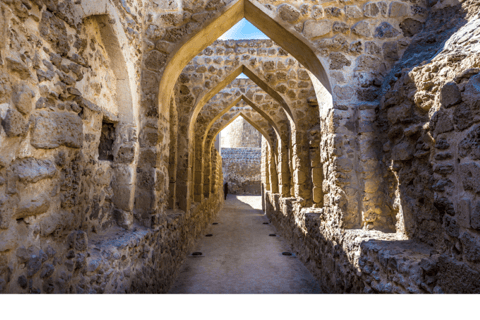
(107, 139)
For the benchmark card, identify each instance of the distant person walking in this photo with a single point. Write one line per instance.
(225, 190)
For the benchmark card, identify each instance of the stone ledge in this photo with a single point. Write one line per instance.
(352, 261)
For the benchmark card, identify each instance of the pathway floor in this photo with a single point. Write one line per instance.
(241, 257)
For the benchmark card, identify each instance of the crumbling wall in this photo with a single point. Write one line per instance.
(241, 170)
(424, 131)
(71, 193)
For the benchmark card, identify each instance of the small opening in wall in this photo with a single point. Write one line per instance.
(209, 235)
(20, 220)
(265, 223)
(215, 223)
(272, 235)
(107, 138)
(286, 253)
(196, 254)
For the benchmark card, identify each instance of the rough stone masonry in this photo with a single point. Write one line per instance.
(368, 112)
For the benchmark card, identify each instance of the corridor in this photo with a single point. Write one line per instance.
(242, 257)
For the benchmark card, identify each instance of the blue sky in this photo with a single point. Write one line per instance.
(243, 30)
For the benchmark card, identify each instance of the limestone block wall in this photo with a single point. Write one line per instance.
(425, 124)
(240, 134)
(241, 170)
(77, 211)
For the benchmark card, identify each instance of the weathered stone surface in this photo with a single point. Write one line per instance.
(338, 61)
(475, 217)
(155, 60)
(441, 122)
(362, 28)
(471, 247)
(32, 207)
(470, 144)
(371, 9)
(353, 12)
(314, 29)
(14, 123)
(397, 9)
(344, 93)
(18, 67)
(288, 13)
(403, 151)
(22, 99)
(411, 27)
(450, 95)
(55, 129)
(386, 30)
(387, 140)
(32, 170)
(470, 176)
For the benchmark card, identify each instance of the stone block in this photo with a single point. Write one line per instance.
(471, 247)
(338, 61)
(55, 129)
(32, 170)
(450, 95)
(314, 29)
(371, 10)
(288, 13)
(353, 12)
(22, 98)
(442, 122)
(32, 207)
(470, 176)
(411, 27)
(18, 67)
(475, 217)
(14, 123)
(344, 93)
(386, 30)
(398, 9)
(403, 151)
(155, 60)
(125, 154)
(362, 28)
(123, 197)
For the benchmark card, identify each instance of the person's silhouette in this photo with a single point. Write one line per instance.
(225, 190)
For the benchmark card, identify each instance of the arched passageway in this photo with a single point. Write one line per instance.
(109, 113)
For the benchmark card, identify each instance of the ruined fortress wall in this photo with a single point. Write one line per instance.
(241, 170)
(86, 135)
(69, 149)
(240, 134)
(427, 124)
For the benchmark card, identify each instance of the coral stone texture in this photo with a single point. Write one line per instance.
(359, 126)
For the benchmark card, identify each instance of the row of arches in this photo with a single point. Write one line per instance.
(193, 131)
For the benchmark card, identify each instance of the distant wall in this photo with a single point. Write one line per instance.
(241, 170)
(241, 134)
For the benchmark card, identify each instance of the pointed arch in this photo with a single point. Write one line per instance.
(233, 75)
(234, 103)
(227, 17)
(205, 164)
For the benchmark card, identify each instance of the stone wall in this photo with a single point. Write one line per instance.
(425, 131)
(76, 212)
(240, 134)
(241, 170)
(368, 110)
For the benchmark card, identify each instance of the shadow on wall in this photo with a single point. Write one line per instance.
(429, 110)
